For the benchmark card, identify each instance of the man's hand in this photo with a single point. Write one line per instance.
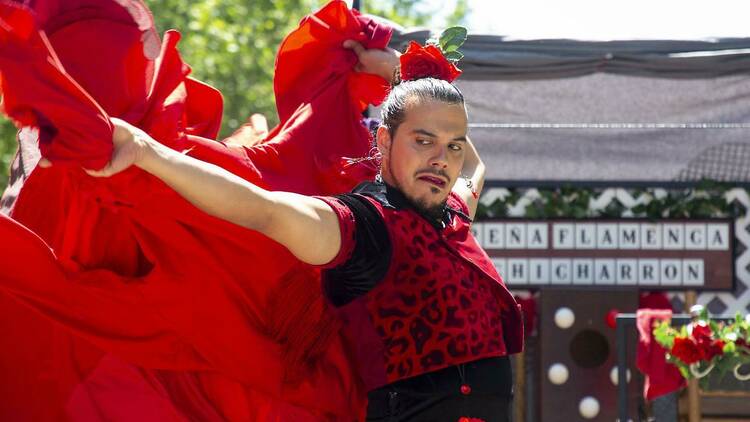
(252, 132)
(469, 187)
(376, 61)
(129, 146)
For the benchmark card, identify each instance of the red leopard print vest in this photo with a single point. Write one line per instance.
(441, 303)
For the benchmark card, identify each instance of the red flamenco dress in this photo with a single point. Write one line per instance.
(118, 299)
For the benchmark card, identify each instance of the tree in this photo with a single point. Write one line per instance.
(411, 13)
(7, 149)
(232, 46)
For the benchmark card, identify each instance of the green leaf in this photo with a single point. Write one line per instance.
(685, 372)
(452, 38)
(454, 56)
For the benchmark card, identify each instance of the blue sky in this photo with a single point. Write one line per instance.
(605, 19)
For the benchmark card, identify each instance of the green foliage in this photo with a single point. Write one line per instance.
(411, 13)
(733, 338)
(7, 149)
(232, 45)
(404, 12)
(459, 14)
(662, 334)
(706, 200)
(451, 39)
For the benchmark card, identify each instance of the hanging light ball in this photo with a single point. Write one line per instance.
(564, 318)
(557, 373)
(589, 407)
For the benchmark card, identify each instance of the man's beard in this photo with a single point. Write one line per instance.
(432, 212)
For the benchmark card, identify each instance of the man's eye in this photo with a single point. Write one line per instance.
(455, 147)
(423, 141)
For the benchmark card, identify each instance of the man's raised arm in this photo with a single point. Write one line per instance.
(307, 226)
(469, 187)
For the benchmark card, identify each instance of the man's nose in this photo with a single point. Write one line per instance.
(440, 159)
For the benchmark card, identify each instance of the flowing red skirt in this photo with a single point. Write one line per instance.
(118, 299)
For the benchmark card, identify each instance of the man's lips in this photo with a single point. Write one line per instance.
(435, 180)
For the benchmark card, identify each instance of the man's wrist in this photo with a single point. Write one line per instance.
(145, 151)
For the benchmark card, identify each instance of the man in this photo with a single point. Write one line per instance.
(427, 318)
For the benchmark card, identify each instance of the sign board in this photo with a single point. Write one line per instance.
(663, 254)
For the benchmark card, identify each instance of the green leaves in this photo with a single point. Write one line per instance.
(232, 45)
(7, 149)
(454, 56)
(452, 38)
(732, 339)
(704, 201)
(449, 41)
(664, 334)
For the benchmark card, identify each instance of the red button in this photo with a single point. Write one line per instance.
(465, 390)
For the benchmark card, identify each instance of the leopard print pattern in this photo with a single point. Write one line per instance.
(433, 309)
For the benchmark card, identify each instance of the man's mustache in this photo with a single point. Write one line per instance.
(436, 172)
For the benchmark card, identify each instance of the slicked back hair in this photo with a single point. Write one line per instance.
(393, 111)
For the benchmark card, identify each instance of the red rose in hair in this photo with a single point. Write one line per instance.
(426, 62)
(686, 350)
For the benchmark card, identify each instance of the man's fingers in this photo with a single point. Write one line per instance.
(104, 172)
(354, 46)
(260, 124)
(45, 163)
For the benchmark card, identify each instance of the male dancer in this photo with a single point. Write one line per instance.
(427, 318)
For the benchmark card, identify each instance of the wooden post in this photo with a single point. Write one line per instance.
(519, 389)
(694, 394)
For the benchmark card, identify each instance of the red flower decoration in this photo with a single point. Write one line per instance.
(701, 332)
(426, 62)
(686, 350)
(708, 347)
(711, 349)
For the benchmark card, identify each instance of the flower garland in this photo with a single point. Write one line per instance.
(704, 345)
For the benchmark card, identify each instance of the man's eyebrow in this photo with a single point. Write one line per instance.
(424, 132)
(432, 135)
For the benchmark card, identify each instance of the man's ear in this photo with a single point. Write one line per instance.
(383, 140)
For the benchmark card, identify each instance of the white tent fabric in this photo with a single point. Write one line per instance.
(620, 111)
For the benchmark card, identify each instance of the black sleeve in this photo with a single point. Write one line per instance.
(370, 258)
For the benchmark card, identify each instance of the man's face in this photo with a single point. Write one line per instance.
(426, 154)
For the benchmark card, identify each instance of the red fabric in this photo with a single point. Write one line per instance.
(654, 300)
(222, 322)
(661, 376)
